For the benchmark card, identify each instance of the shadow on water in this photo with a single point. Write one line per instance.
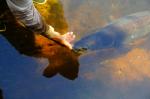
(62, 60)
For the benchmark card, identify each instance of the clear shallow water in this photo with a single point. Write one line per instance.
(86, 16)
(122, 73)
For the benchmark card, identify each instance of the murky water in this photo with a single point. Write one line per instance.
(120, 72)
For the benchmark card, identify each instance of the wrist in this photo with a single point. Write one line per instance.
(50, 32)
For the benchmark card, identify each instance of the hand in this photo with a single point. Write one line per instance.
(69, 37)
(65, 39)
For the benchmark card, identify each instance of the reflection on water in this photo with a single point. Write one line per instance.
(86, 16)
(133, 66)
(119, 71)
(109, 73)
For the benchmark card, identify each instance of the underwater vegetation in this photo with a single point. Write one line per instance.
(53, 13)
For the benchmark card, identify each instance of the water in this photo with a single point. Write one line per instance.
(110, 73)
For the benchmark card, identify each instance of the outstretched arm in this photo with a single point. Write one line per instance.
(27, 14)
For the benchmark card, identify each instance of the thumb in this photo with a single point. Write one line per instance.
(62, 42)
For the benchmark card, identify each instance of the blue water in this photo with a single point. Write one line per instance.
(21, 76)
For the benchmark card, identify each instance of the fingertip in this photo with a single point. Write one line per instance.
(74, 36)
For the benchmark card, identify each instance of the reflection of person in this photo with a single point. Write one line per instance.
(27, 14)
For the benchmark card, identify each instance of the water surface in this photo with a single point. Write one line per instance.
(122, 73)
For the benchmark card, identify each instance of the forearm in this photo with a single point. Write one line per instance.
(26, 13)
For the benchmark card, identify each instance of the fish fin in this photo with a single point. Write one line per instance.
(49, 71)
(69, 72)
(70, 76)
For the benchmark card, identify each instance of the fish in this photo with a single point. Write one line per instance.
(62, 60)
(122, 32)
